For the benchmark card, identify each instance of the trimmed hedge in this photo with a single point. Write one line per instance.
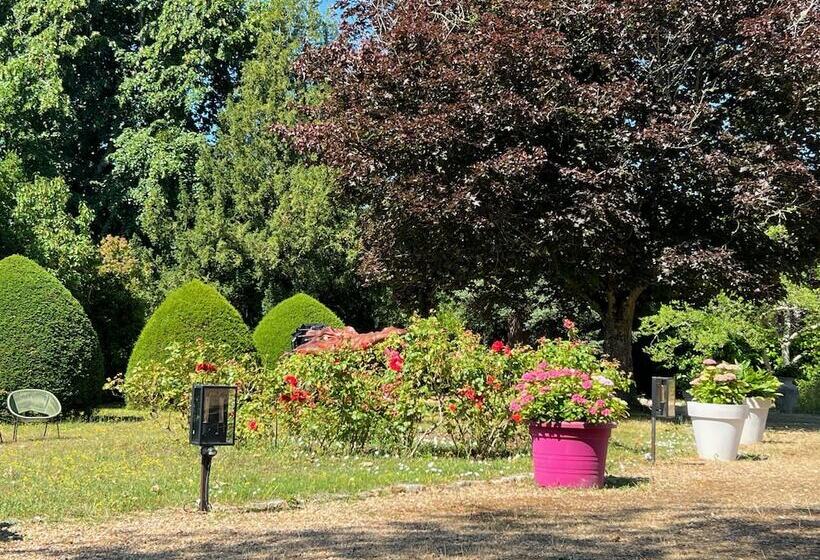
(193, 311)
(46, 339)
(274, 333)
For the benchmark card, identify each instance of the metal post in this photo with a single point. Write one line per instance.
(207, 453)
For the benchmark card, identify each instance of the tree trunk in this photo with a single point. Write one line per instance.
(618, 316)
(515, 327)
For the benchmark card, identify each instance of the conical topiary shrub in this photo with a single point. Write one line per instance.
(193, 311)
(46, 339)
(274, 333)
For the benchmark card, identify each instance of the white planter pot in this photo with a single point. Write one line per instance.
(755, 423)
(717, 428)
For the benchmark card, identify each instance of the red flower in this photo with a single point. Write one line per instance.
(291, 380)
(299, 395)
(452, 407)
(395, 361)
(497, 346)
(468, 393)
(283, 398)
(252, 425)
(207, 367)
(507, 350)
(516, 417)
(493, 382)
(569, 324)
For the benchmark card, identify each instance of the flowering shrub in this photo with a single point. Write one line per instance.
(718, 383)
(438, 375)
(464, 385)
(571, 383)
(351, 399)
(436, 378)
(166, 384)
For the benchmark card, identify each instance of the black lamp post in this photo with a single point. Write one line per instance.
(212, 423)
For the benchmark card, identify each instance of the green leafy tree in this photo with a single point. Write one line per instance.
(782, 337)
(59, 74)
(265, 223)
(51, 235)
(726, 329)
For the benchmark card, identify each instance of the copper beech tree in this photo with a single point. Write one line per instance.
(611, 147)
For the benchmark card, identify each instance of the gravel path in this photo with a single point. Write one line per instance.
(764, 506)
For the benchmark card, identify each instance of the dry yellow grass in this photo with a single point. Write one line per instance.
(764, 506)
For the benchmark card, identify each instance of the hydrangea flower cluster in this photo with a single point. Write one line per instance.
(718, 383)
(548, 394)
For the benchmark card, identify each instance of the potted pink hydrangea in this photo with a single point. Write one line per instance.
(718, 410)
(570, 414)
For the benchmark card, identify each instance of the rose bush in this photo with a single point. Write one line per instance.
(352, 400)
(437, 378)
(464, 385)
(166, 385)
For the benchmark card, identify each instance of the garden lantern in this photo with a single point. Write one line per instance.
(212, 423)
(663, 402)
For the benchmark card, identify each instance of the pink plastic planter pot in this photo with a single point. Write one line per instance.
(569, 454)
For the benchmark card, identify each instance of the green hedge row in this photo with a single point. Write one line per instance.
(48, 342)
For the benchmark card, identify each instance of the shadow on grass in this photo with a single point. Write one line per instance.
(116, 418)
(7, 534)
(779, 420)
(752, 457)
(625, 481)
(637, 450)
(617, 533)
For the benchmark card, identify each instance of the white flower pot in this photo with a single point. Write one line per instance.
(717, 428)
(755, 423)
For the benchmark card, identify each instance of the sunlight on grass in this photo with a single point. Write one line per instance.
(127, 461)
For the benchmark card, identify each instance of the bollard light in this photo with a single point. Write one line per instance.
(663, 403)
(212, 423)
(663, 397)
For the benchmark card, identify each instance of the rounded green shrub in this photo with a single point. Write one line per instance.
(46, 339)
(194, 311)
(274, 333)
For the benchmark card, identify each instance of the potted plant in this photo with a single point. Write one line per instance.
(761, 389)
(571, 414)
(718, 410)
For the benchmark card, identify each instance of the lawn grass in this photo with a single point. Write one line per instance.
(127, 461)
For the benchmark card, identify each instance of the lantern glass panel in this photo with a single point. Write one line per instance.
(213, 415)
(663, 397)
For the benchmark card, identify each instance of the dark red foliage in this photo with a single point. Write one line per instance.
(610, 146)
